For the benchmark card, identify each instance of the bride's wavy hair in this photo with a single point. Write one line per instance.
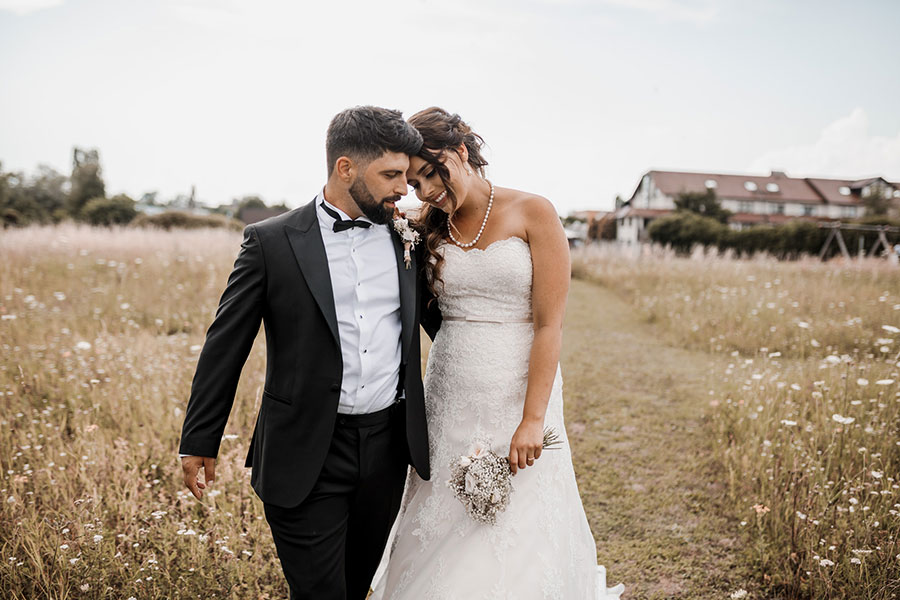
(442, 132)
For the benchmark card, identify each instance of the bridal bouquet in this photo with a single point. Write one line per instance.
(482, 480)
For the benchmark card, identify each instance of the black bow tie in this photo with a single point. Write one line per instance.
(343, 224)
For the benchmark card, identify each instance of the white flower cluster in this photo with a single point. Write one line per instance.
(407, 233)
(482, 481)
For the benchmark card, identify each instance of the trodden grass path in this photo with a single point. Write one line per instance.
(635, 416)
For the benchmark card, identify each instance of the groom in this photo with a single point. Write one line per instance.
(342, 411)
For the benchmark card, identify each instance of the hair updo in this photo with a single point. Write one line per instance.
(442, 132)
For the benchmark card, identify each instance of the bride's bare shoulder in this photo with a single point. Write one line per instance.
(526, 203)
(529, 208)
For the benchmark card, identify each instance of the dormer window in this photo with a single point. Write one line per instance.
(750, 186)
(711, 184)
(844, 190)
(772, 188)
(896, 193)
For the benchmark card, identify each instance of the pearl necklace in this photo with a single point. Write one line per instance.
(487, 213)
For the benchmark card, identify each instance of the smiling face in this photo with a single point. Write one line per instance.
(424, 179)
(380, 185)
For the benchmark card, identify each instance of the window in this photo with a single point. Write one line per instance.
(772, 188)
(745, 206)
(896, 193)
(711, 184)
(779, 208)
(844, 190)
(750, 186)
(848, 211)
(808, 210)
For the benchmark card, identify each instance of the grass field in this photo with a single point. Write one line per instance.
(802, 409)
(714, 452)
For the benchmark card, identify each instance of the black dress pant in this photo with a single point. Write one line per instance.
(331, 543)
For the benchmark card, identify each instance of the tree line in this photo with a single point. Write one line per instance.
(48, 196)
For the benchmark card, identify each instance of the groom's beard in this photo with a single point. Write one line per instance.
(375, 210)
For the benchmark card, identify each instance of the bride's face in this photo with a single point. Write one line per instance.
(424, 179)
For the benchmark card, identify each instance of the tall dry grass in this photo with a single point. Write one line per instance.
(806, 415)
(100, 332)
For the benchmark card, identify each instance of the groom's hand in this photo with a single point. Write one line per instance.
(190, 465)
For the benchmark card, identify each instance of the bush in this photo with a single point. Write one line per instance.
(176, 219)
(11, 218)
(683, 229)
(118, 210)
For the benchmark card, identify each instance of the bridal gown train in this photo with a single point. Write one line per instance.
(541, 547)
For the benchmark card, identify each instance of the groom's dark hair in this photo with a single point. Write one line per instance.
(364, 133)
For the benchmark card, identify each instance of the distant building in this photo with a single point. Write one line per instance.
(254, 215)
(753, 199)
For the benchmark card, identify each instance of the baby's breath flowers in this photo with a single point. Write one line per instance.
(482, 480)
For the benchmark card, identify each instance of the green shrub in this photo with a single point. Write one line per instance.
(12, 218)
(118, 210)
(683, 229)
(176, 219)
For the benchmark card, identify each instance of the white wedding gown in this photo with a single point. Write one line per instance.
(541, 547)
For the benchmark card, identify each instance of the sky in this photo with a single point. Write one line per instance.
(576, 99)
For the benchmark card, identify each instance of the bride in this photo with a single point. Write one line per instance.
(498, 265)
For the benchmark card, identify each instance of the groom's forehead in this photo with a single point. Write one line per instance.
(391, 161)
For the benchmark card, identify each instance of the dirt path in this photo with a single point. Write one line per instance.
(634, 409)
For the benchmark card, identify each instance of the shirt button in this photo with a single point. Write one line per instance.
(335, 387)
(365, 350)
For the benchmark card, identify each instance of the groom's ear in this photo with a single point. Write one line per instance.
(345, 169)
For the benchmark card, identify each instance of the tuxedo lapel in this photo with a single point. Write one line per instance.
(407, 279)
(309, 250)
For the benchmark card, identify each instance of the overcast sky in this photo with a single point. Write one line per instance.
(576, 98)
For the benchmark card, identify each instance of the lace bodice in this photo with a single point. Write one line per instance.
(494, 282)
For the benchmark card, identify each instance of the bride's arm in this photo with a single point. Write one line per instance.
(550, 286)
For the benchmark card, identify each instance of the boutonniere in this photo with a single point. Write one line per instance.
(408, 235)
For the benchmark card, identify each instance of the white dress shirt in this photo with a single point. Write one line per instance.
(366, 287)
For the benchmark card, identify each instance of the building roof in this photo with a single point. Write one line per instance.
(784, 188)
(776, 187)
(830, 191)
(254, 215)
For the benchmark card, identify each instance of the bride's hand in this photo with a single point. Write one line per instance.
(526, 445)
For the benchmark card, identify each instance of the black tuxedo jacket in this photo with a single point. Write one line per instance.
(281, 278)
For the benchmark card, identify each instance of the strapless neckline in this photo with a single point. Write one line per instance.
(488, 247)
